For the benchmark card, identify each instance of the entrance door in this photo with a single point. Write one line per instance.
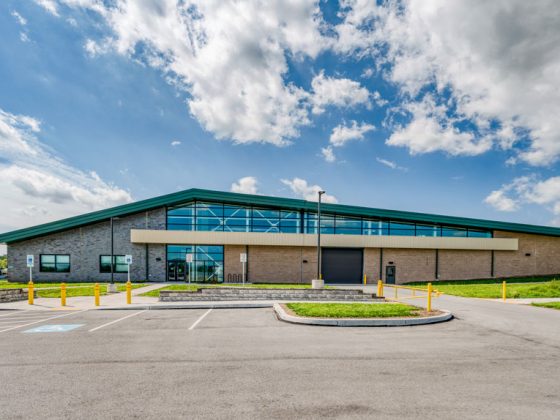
(176, 271)
(342, 265)
(390, 274)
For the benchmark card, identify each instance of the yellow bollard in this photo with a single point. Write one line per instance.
(96, 293)
(379, 288)
(504, 290)
(128, 292)
(62, 294)
(365, 280)
(429, 305)
(30, 296)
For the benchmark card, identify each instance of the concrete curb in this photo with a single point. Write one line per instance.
(361, 322)
(191, 306)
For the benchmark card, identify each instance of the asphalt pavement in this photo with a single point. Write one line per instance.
(244, 363)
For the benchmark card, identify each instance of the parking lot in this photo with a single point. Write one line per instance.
(244, 363)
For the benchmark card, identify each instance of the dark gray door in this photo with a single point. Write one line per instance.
(390, 274)
(342, 265)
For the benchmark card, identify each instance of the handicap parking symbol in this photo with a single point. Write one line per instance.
(53, 328)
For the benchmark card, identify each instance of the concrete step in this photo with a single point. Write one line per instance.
(254, 291)
(182, 296)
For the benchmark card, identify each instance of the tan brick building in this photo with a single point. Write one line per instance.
(203, 236)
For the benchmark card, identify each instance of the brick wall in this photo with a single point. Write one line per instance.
(280, 264)
(371, 265)
(464, 265)
(544, 258)
(86, 244)
(233, 268)
(411, 264)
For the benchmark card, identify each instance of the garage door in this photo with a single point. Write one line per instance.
(342, 265)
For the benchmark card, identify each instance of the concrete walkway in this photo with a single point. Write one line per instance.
(113, 300)
(118, 301)
(530, 323)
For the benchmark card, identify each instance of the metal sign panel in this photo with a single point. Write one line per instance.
(128, 259)
(53, 328)
(30, 261)
(243, 257)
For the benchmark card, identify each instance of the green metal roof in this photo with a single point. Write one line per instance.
(260, 200)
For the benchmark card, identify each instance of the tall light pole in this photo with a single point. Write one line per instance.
(318, 283)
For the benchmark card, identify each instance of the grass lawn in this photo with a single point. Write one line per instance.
(84, 290)
(353, 310)
(493, 288)
(195, 287)
(52, 290)
(552, 305)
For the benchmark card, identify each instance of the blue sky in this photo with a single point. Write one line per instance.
(438, 107)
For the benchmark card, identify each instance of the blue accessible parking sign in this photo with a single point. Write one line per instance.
(53, 328)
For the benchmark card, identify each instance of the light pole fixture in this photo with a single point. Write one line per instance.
(318, 283)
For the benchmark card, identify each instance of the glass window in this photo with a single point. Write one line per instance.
(479, 234)
(119, 265)
(54, 263)
(239, 212)
(427, 230)
(207, 265)
(453, 232)
(209, 209)
(401, 229)
(218, 217)
(346, 222)
(185, 210)
(266, 213)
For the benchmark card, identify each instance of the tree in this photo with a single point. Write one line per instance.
(3, 261)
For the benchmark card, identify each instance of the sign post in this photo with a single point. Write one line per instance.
(30, 264)
(243, 259)
(128, 262)
(189, 259)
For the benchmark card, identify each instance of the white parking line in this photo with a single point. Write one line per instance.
(15, 312)
(193, 326)
(116, 320)
(41, 320)
(19, 320)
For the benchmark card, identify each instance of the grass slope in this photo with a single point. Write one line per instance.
(493, 290)
(52, 290)
(353, 310)
(551, 305)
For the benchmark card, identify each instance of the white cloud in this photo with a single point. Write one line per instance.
(175, 143)
(93, 49)
(245, 185)
(527, 190)
(500, 201)
(391, 164)
(38, 185)
(491, 61)
(330, 91)
(49, 5)
(431, 130)
(328, 154)
(342, 134)
(308, 192)
(230, 57)
(20, 19)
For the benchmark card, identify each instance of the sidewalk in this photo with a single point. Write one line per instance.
(118, 301)
(112, 300)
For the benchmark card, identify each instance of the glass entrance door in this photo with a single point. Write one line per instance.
(177, 271)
